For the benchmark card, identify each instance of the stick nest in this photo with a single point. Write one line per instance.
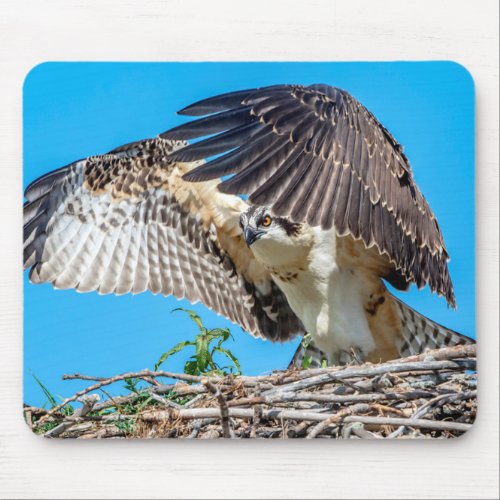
(432, 395)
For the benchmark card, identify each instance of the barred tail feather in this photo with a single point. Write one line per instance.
(421, 334)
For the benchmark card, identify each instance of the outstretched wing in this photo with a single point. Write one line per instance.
(126, 222)
(317, 155)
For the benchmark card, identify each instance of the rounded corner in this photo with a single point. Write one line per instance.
(470, 430)
(28, 428)
(34, 69)
(465, 72)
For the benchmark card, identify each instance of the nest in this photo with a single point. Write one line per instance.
(432, 395)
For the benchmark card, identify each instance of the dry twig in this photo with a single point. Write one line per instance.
(430, 395)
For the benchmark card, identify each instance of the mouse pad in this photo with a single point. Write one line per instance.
(249, 250)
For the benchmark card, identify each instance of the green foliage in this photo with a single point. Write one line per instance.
(124, 425)
(46, 427)
(207, 344)
(65, 410)
(209, 347)
(306, 360)
(132, 385)
(48, 394)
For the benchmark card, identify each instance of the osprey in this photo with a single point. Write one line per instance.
(332, 213)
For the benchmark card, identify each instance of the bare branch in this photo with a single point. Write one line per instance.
(224, 411)
(430, 395)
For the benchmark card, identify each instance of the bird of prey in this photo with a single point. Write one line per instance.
(333, 212)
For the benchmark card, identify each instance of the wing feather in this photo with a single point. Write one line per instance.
(86, 262)
(126, 222)
(96, 271)
(112, 278)
(322, 123)
(72, 257)
(166, 261)
(315, 210)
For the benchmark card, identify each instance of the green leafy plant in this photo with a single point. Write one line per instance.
(65, 410)
(207, 344)
(307, 359)
(132, 385)
(306, 362)
(126, 425)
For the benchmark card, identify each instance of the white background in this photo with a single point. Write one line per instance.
(123, 30)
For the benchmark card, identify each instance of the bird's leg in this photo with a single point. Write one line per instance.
(353, 356)
(334, 358)
(357, 356)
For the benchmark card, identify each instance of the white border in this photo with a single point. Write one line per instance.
(124, 30)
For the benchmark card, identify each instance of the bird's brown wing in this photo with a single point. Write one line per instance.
(316, 154)
(126, 222)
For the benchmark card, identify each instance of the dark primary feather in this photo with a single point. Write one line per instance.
(218, 144)
(222, 101)
(211, 125)
(115, 223)
(289, 139)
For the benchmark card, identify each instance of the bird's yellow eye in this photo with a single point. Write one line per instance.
(266, 221)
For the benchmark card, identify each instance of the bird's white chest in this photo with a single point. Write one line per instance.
(328, 299)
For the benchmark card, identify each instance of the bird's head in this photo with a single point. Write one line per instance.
(272, 238)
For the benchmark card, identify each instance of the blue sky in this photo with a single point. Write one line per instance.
(73, 110)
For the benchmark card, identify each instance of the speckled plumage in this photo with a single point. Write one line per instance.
(316, 154)
(339, 188)
(333, 284)
(126, 222)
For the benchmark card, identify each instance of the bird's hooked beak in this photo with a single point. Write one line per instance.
(252, 234)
